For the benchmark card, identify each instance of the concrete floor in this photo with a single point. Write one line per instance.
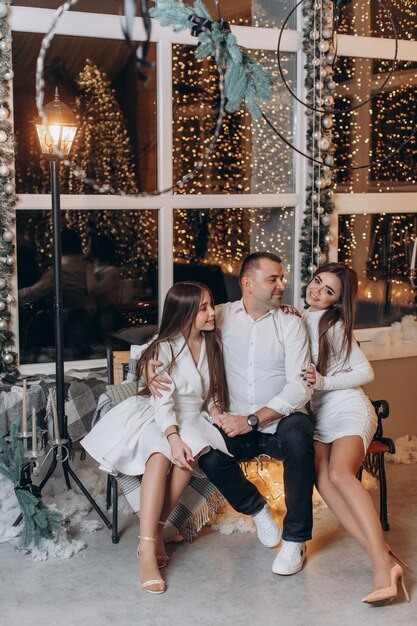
(217, 580)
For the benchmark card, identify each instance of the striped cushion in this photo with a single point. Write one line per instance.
(118, 393)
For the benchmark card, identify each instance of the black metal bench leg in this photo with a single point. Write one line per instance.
(383, 507)
(114, 533)
(108, 492)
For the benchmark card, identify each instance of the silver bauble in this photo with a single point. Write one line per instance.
(330, 193)
(9, 260)
(9, 188)
(9, 299)
(2, 305)
(322, 258)
(319, 85)
(3, 136)
(330, 57)
(327, 121)
(4, 46)
(331, 85)
(319, 182)
(323, 72)
(4, 113)
(312, 268)
(329, 160)
(323, 46)
(326, 220)
(8, 358)
(8, 236)
(315, 62)
(324, 143)
(2, 283)
(315, 196)
(4, 170)
(325, 170)
(314, 34)
(320, 210)
(3, 10)
(326, 33)
(317, 135)
(328, 238)
(8, 75)
(3, 324)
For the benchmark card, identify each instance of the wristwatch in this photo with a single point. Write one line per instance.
(253, 421)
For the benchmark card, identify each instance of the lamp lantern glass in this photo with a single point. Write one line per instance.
(58, 133)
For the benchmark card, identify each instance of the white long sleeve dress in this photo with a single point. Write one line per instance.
(132, 431)
(340, 406)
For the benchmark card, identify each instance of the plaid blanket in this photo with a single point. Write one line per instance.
(198, 504)
(81, 400)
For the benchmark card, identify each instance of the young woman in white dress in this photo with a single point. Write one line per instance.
(161, 438)
(345, 419)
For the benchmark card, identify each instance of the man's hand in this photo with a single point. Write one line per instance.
(156, 381)
(233, 425)
(288, 309)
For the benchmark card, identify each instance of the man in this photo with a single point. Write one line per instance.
(265, 352)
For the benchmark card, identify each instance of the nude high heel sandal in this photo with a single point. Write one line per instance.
(380, 597)
(153, 581)
(162, 559)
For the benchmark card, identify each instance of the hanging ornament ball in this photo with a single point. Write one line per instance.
(312, 268)
(2, 283)
(2, 305)
(324, 143)
(328, 100)
(9, 260)
(315, 222)
(329, 193)
(8, 236)
(316, 196)
(320, 210)
(326, 170)
(319, 85)
(316, 250)
(327, 121)
(9, 188)
(323, 72)
(314, 34)
(8, 358)
(317, 135)
(329, 160)
(328, 238)
(319, 182)
(322, 258)
(331, 85)
(330, 57)
(3, 324)
(316, 62)
(3, 10)
(3, 136)
(8, 75)
(9, 299)
(325, 220)
(324, 46)
(4, 113)
(4, 170)
(326, 33)
(4, 46)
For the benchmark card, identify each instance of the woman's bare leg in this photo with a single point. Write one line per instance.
(152, 495)
(178, 480)
(345, 458)
(331, 496)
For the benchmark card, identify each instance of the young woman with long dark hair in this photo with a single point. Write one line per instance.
(345, 419)
(160, 438)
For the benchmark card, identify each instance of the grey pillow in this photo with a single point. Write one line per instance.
(118, 393)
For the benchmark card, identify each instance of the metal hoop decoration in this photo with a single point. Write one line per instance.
(357, 106)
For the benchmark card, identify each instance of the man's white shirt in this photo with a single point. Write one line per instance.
(263, 360)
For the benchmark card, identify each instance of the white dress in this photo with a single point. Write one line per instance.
(340, 406)
(126, 436)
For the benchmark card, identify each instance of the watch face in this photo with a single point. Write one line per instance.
(253, 420)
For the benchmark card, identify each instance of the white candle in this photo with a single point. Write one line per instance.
(24, 408)
(54, 415)
(34, 437)
(413, 256)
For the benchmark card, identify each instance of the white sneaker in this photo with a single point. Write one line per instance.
(269, 532)
(290, 558)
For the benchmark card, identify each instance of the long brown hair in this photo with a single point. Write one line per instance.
(344, 310)
(181, 306)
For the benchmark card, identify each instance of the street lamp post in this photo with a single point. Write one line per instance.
(56, 131)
